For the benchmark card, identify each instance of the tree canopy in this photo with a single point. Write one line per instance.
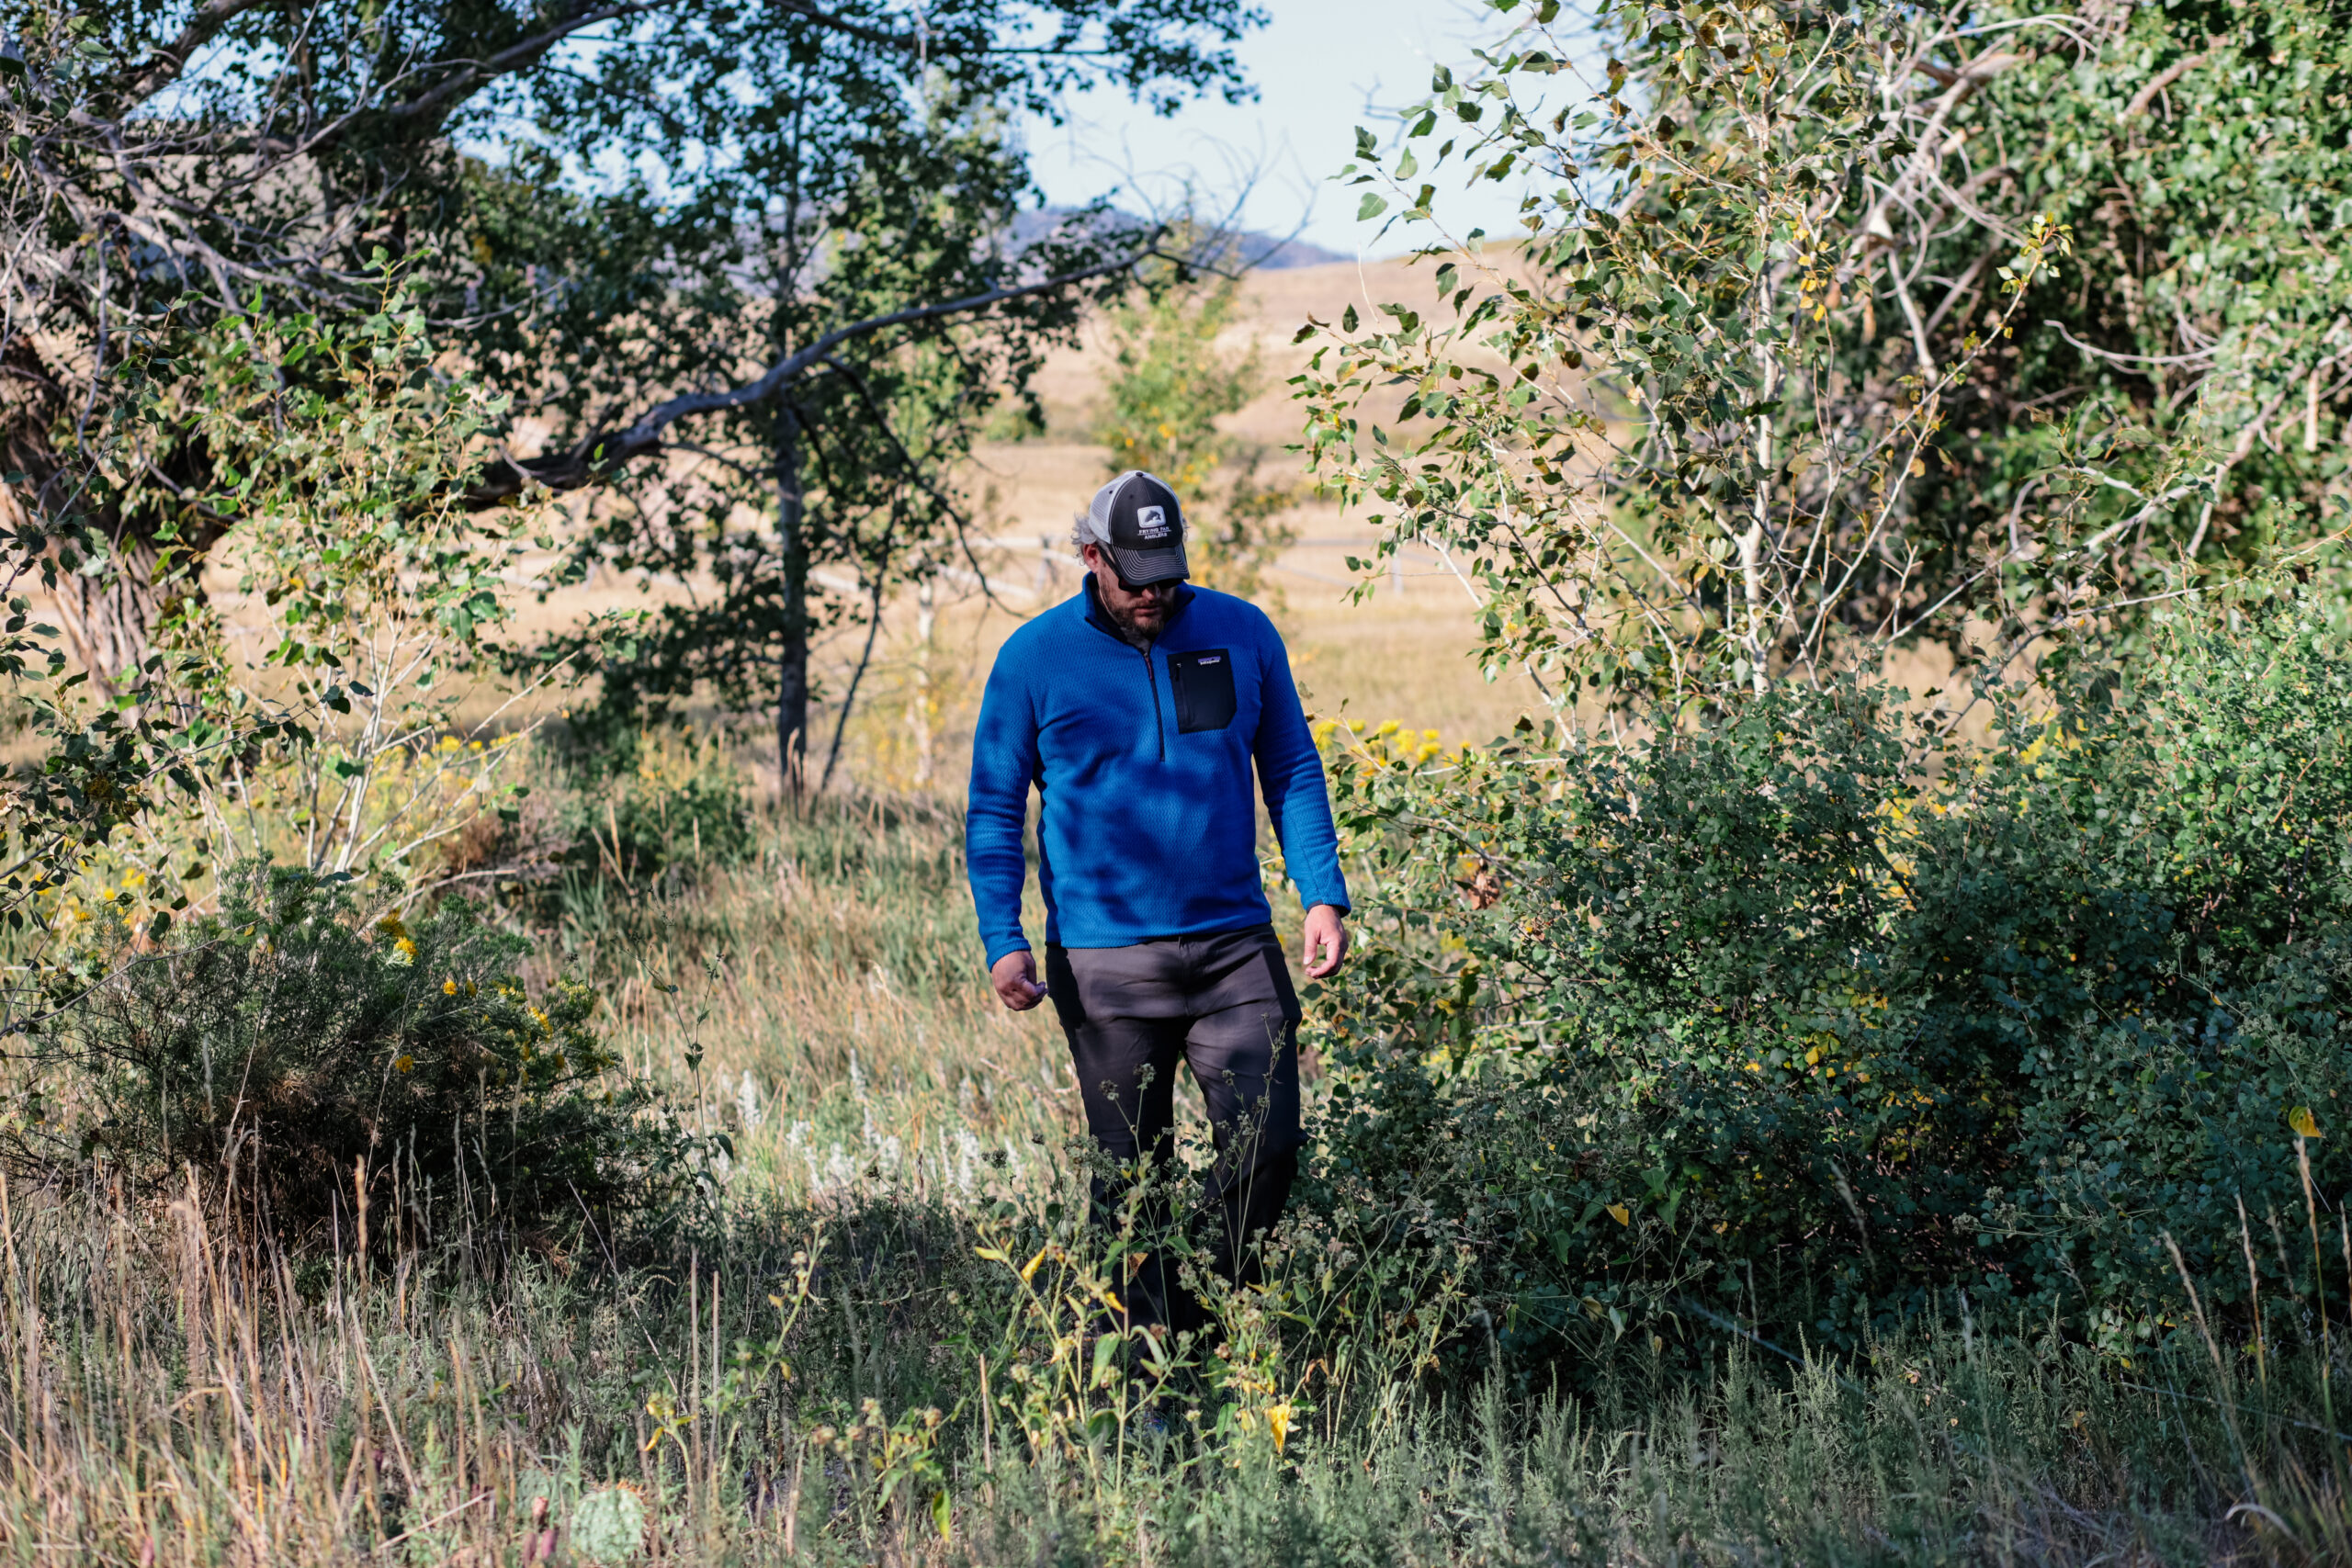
(1834, 328)
(750, 273)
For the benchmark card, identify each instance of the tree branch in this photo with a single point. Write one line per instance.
(1876, 232)
(2163, 79)
(607, 452)
(473, 74)
(909, 43)
(172, 58)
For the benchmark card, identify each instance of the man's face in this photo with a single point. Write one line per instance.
(1142, 610)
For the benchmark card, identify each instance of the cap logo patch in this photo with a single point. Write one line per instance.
(1152, 522)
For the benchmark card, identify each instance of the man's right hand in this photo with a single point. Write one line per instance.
(1015, 979)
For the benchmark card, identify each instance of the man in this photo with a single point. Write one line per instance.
(1137, 710)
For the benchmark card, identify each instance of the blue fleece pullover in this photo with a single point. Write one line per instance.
(1143, 761)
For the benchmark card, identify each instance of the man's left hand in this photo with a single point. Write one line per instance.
(1326, 945)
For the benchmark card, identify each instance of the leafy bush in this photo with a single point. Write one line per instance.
(287, 1042)
(657, 803)
(1817, 1016)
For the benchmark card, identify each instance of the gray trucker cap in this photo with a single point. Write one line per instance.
(1137, 518)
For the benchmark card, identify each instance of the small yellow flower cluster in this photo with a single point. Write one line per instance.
(76, 902)
(404, 951)
(1388, 744)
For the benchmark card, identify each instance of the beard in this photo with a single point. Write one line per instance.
(1141, 625)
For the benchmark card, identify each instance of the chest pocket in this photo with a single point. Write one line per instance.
(1204, 682)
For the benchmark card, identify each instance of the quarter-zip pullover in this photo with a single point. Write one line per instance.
(1143, 760)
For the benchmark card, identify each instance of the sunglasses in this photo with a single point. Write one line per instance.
(1164, 588)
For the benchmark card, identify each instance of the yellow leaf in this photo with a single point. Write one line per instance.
(2300, 1120)
(1278, 1422)
(1620, 1213)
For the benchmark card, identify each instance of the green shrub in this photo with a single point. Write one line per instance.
(1816, 1017)
(289, 1043)
(658, 804)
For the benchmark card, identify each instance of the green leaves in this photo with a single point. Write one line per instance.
(1159, 412)
(1738, 437)
(1818, 974)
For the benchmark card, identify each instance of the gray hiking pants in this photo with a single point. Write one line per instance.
(1223, 1004)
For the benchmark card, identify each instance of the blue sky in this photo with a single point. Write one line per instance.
(1321, 67)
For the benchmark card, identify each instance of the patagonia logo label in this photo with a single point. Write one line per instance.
(1152, 522)
(1211, 658)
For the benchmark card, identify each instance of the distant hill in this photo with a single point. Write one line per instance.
(1286, 254)
(1261, 251)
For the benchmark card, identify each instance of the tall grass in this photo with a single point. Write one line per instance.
(824, 1004)
(887, 1345)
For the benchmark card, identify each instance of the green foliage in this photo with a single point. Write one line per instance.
(1819, 1017)
(287, 1046)
(320, 722)
(660, 804)
(345, 450)
(697, 198)
(1828, 330)
(423, 1407)
(1160, 414)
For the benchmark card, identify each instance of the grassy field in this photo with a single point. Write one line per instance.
(884, 1344)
